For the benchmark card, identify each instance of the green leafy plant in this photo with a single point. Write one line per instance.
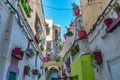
(39, 75)
(69, 33)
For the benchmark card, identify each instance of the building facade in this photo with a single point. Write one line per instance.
(98, 53)
(22, 31)
(53, 37)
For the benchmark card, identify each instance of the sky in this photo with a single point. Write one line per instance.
(62, 17)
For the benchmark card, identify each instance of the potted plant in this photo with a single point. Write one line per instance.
(65, 36)
(30, 9)
(108, 22)
(26, 1)
(68, 29)
(67, 62)
(82, 34)
(45, 59)
(35, 71)
(76, 9)
(39, 75)
(30, 53)
(18, 53)
(97, 55)
(27, 70)
(68, 69)
(41, 48)
(69, 33)
(25, 6)
(73, 52)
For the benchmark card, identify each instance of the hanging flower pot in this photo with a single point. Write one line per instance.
(37, 40)
(68, 29)
(67, 62)
(30, 9)
(39, 75)
(98, 57)
(65, 37)
(68, 70)
(18, 53)
(108, 22)
(35, 72)
(73, 52)
(30, 53)
(27, 70)
(41, 48)
(26, 1)
(82, 34)
(76, 11)
(45, 59)
(69, 33)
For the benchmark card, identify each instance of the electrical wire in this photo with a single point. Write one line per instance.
(52, 7)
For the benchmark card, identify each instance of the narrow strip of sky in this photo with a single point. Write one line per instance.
(60, 11)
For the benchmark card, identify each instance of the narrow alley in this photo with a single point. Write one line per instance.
(60, 39)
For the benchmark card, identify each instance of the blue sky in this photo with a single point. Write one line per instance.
(62, 17)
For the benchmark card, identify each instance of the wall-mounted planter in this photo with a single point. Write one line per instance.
(26, 1)
(76, 11)
(37, 40)
(108, 22)
(17, 53)
(98, 57)
(111, 24)
(65, 37)
(67, 62)
(45, 59)
(41, 48)
(73, 52)
(35, 72)
(39, 75)
(82, 34)
(68, 70)
(30, 53)
(68, 29)
(30, 9)
(26, 8)
(27, 70)
(69, 33)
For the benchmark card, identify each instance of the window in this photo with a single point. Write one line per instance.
(12, 75)
(56, 34)
(48, 29)
(89, 1)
